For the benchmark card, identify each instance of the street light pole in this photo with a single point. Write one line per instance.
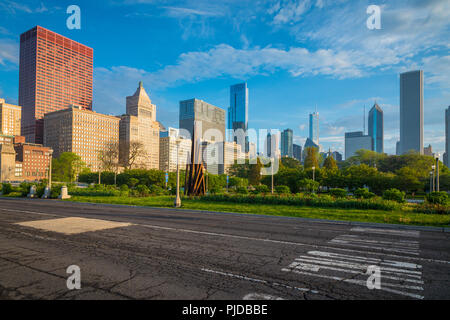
(271, 165)
(433, 168)
(178, 199)
(431, 181)
(437, 172)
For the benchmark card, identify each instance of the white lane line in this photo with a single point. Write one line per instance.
(354, 265)
(314, 268)
(269, 240)
(33, 212)
(405, 233)
(397, 242)
(337, 242)
(227, 274)
(363, 283)
(368, 260)
(400, 244)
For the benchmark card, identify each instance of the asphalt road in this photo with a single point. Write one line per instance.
(183, 254)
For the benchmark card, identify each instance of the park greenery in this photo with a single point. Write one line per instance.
(366, 182)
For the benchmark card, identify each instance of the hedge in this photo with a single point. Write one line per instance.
(309, 201)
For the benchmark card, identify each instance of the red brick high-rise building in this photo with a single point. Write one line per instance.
(55, 72)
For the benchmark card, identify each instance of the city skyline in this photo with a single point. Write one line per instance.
(298, 88)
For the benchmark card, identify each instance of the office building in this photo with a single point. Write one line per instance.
(238, 113)
(54, 72)
(447, 137)
(411, 112)
(81, 131)
(428, 151)
(287, 143)
(7, 159)
(297, 152)
(170, 154)
(10, 119)
(232, 154)
(355, 141)
(314, 127)
(337, 156)
(272, 145)
(139, 127)
(376, 128)
(32, 160)
(211, 119)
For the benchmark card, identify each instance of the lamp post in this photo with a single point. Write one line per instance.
(437, 172)
(272, 160)
(431, 181)
(314, 173)
(178, 199)
(433, 168)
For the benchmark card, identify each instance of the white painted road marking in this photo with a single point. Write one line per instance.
(404, 233)
(398, 277)
(236, 276)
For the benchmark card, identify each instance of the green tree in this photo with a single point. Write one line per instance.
(311, 158)
(290, 163)
(67, 167)
(330, 163)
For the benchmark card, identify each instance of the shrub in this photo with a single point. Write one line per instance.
(430, 208)
(156, 190)
(363, 193)
(394, 195)
(438, 198)
(6, 188)
(242, 190)
(282, 190)
(25, 188)
(261, 189)
(142, 191)
(216, 189)
(311, 200)
(338, 193)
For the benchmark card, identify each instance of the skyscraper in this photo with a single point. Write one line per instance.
(54, 72)
(139, 125)
(297, 152)
(447, 137)
(287, 143)
(376, 128)
(81, 131)
(238, 111)
(314, 127)
(355, 141)
(210, 122)
(411, 112)
(10, 119)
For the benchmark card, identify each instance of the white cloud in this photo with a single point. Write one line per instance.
(289, 11)
(9, 52)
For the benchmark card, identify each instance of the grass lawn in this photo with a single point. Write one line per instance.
(376, 216)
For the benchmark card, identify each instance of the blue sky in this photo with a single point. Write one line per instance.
(294, 54)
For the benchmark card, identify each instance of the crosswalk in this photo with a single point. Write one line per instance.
(398, 277)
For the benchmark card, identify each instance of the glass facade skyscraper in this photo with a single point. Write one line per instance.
(376, 127)
(238, 112)
(411, 112)
(287, 143)
(314, 127)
